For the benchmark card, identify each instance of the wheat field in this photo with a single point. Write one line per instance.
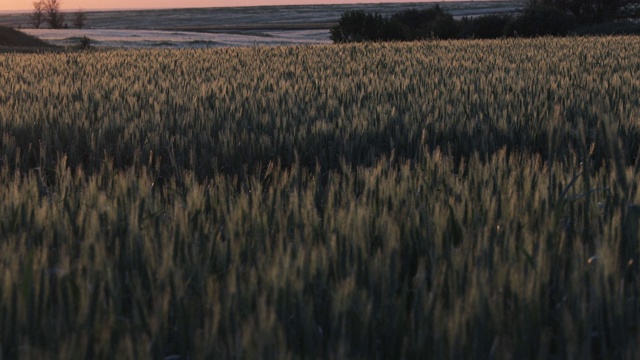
(462, 199)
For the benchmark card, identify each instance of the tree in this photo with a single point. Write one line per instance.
(540, 21)
(424, 24)
(356, 26)
(38, 15)
(55, 17)
(483, 27)
(49, 11)
(594, 11)
(79, 19)
(408, 25)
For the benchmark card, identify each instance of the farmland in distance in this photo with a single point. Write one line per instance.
(229, 26)
(463, 199)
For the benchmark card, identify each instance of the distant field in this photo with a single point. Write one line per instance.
(445, 200)
(291, 24)
(181, 39)
(267, 15)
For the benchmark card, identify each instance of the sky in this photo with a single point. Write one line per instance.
(73, 5)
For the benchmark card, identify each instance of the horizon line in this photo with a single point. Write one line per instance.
(20, 11)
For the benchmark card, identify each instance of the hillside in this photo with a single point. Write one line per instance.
(13, 38)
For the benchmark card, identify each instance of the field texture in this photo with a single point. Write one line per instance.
(468, 199)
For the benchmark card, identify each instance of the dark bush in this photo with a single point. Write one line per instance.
(445, 27)
(408, 25)
(594, 11)
(539, 18)
(392, 31)
(85, 43)
(483, 27)
(355, 26)
(425, 24)
(610, 28)
(540, 21)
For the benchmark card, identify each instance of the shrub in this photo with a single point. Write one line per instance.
(85, 43)
(610, 28)
(408, 25)
(540, 21)
(594, 11)
(424, 24)
(444, 27)
(483, 27)
(356, 26)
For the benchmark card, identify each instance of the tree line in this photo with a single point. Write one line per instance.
(49, 12)
(538, 18)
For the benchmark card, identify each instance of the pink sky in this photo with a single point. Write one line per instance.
(72, 5)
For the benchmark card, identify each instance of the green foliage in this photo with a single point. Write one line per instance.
(322, 201)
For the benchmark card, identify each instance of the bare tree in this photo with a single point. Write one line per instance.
(80, 18)
(55, 17)
(38, 15)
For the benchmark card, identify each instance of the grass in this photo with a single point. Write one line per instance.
(466, 199)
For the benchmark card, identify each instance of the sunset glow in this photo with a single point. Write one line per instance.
(71, 5)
